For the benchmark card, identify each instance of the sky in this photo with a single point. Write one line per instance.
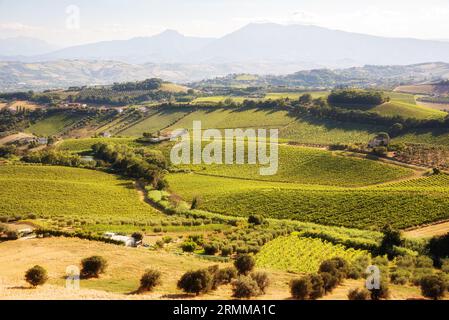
(70, 22)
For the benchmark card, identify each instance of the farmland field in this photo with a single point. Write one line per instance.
(53, 124)
(80, 145)
(402, 204)
(312, 166)
(156, 121)
(294, 254)
(408, 110)
(295, 95)
(235, 118)
(69, 192)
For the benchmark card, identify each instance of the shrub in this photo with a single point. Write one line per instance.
(329, 281)
(188, 246)
(36, 276)
(317, 286)
(358, 294)
(211, 248)
(245, 287)
(93, 266)
(12, 234)
(445, 265)
(400, 276)
(433, 286)
(167, 239)
(137, 236)
(255, 219)
(226, 251)
(382, 293)
(261, 279)
(300, 288)
(197, 282)
(196, 201)
(244, 264)
(226, 275)
(149, 280)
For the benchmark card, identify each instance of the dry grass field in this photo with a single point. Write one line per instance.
(125, 266)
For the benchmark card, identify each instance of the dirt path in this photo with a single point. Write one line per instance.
(435, 229)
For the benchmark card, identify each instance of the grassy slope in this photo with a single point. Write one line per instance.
(69, 192)
(53, 124)
(408, 110)
(155, 122)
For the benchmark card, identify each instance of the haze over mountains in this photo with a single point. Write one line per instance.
(263, 48)
(257, 42)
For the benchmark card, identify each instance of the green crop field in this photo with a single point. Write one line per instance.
(217, 99)
(435, 137)
(402, 204)
(408, 110)
(81, 145)
(312, 166)
(295, 254)
(295, 95)
(69, 192)
(401, 97)
(157, 121)
(235, 118)
(314, 131)
(53, 124)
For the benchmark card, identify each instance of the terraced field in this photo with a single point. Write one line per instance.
(69, 192)
(295, 254)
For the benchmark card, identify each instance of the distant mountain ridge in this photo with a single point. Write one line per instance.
(260, 43)
(19, 76)
(23, 47)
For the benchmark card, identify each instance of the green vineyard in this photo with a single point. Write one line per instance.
(295, 254)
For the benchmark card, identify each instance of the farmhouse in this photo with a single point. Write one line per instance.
(42, 141)
(128, 241)
(106, 134)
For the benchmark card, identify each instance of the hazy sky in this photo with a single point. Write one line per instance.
(57, 20)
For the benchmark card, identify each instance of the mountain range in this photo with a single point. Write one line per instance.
(256, 42)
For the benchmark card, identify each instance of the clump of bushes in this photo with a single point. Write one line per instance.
(93, 266)
(245, 287)
(300, 288)
(188, 246)
(331, 273)
(433, 286)
(359, 294)
(226, 275)
(244, 264)
(150, 279)
(36, 276)
(200, 281)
